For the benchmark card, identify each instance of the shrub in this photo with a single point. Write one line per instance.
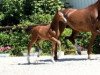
(12, 10)
(96, 46)
(41, 18)
(16, 11)
(84, 40)
(17, 40)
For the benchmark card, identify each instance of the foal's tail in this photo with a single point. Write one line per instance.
(28, 29)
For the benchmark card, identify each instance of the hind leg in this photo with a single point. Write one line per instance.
(91, 44)
(32, 40)
(38, 47)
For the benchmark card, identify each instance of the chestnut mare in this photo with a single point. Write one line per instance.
(84, 20)
(46, 32)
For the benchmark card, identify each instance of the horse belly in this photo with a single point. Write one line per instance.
(83, 30)
(80, 27)
(80, 24)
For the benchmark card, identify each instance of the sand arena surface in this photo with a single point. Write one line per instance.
(67, 65)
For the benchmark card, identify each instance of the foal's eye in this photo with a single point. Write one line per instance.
(60, 14)
(65, 15)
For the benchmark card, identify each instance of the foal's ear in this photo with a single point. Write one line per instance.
(62, 9)
(58, 9)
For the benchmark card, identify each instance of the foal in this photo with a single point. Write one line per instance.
(46, 32)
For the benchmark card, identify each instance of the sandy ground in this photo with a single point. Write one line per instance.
(67, 65)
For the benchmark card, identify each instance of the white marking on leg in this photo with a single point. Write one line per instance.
(52, 59)
(28, 59)
(89, 56)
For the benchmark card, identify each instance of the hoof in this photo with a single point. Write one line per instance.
(89, 57)
(53, 61)
(55, 58)
(28, 62)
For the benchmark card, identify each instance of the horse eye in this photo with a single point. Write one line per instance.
(65, 15)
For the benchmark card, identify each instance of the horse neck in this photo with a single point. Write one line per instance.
(54, 24)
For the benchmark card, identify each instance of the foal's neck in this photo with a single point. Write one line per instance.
(54, 24)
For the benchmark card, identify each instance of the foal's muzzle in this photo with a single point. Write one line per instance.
(65, 20)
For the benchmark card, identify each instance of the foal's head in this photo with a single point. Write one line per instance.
(60, 16)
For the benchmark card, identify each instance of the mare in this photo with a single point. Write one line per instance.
(48, 32)
(84, 20)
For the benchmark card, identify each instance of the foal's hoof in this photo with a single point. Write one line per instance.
(53, 61)
(28, 62)
(89, 57)
(55, 58)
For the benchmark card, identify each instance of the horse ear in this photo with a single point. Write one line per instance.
(58, 9)
(62, 9)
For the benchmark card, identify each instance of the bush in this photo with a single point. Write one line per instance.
(96, 46)
(17, 40)
(41, 18)
(16, 11)
(43, 6)
(84, 40)
(12, 10)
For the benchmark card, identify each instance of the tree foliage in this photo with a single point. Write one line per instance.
(23, 12)
(16, 11)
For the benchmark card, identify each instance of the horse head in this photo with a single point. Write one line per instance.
(60, 16)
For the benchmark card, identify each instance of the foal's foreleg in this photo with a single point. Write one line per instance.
(54, 40)
(57, 41)
(38, 49)
(52, 52)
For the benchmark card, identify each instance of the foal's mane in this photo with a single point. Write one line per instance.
(54, 22)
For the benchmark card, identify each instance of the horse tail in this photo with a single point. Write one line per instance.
(28, 29)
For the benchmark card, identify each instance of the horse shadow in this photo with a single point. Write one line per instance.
(49, 61)
(39, 62)
(71, 59)
(76, 59)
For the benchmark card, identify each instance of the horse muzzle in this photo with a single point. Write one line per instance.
(65, 20)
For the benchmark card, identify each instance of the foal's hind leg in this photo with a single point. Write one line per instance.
(32, 40)
(38, 48)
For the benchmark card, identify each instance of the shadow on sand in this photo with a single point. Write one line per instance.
(49, 61)
(39, 62)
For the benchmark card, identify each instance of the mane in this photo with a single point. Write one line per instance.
(54, 22)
